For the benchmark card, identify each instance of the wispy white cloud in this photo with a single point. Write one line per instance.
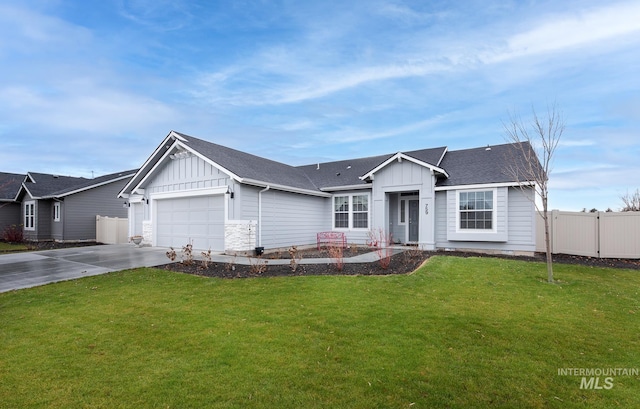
(161, 15)
(296, 80)
(580, 29)
(564, 143)
(26, 31)
(82, 106)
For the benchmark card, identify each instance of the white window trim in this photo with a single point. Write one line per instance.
(494, 224)
(351, 212)
(30, 226)
(56, 211)
(402, 207)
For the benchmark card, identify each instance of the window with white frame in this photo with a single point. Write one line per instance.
(476, 210)
(56, 212)
(403, 212)
(30, 215)
(351, 212)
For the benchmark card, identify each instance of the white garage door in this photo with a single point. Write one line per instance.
(197, 219)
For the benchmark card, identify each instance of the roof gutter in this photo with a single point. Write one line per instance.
(283, 187)
(483, 186)
(348, 187)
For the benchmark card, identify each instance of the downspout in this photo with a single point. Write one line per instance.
(260, 214)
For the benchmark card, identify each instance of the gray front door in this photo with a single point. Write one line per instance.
(414, 221)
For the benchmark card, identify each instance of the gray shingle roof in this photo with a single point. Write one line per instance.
(45, 185)
(480, 165)
(248, 166)
(342, 173)
(464, 167)
(310, 177)
(10, 185)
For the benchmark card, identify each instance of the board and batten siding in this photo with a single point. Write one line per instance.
(292, 219)
(519, 222)
(189, 173)
(399, 177)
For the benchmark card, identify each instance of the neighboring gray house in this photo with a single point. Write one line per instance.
(223, 199)
(64, 208)
(9, 207)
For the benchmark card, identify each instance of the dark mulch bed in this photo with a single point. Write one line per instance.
(399, 264)
(53, 245)
(403, 263)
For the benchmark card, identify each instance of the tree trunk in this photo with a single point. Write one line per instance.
(547, 242)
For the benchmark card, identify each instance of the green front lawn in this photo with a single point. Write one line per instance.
(12, 247)
(474, 332)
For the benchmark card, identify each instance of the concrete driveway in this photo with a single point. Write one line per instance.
(23, 270)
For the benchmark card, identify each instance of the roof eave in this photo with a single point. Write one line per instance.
(284, 188)
(148, 162)
(106, 182)
(346, 187)
(484, 185)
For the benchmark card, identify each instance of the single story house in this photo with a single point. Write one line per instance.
(191, 190)
(10, 184)
(64, 208)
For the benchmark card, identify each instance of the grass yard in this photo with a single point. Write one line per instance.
(474, 332)
(11, 247)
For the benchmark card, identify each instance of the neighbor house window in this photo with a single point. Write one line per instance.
(351, 212)
(30, 216)
(56, 212)
(476, 210)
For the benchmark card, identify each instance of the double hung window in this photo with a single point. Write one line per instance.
(30, 215)
(476, 210)
(351, 212)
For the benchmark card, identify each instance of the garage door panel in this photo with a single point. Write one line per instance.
(196, 219)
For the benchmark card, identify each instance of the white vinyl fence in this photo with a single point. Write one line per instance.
(112, 230)
(599, 234)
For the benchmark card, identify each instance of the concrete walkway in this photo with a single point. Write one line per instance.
(30, 269)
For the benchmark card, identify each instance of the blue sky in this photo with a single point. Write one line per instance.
(94, 86)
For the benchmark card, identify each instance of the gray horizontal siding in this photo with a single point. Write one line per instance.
(292, 219)
(9, 215)
(79, 210)
(520, 224)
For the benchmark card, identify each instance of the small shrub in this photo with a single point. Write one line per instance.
(187, 254)
(413, 253)
(337, 256)
(171, 254)
(231, 265)
(382, 244)
(257, 265)
(206, 255)
(13, 234)
(296, 256)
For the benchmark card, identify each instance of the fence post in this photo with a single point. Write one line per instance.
(598, 233)
(98, 229)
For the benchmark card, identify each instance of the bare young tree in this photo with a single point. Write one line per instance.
(631, 201)
(534, 145)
